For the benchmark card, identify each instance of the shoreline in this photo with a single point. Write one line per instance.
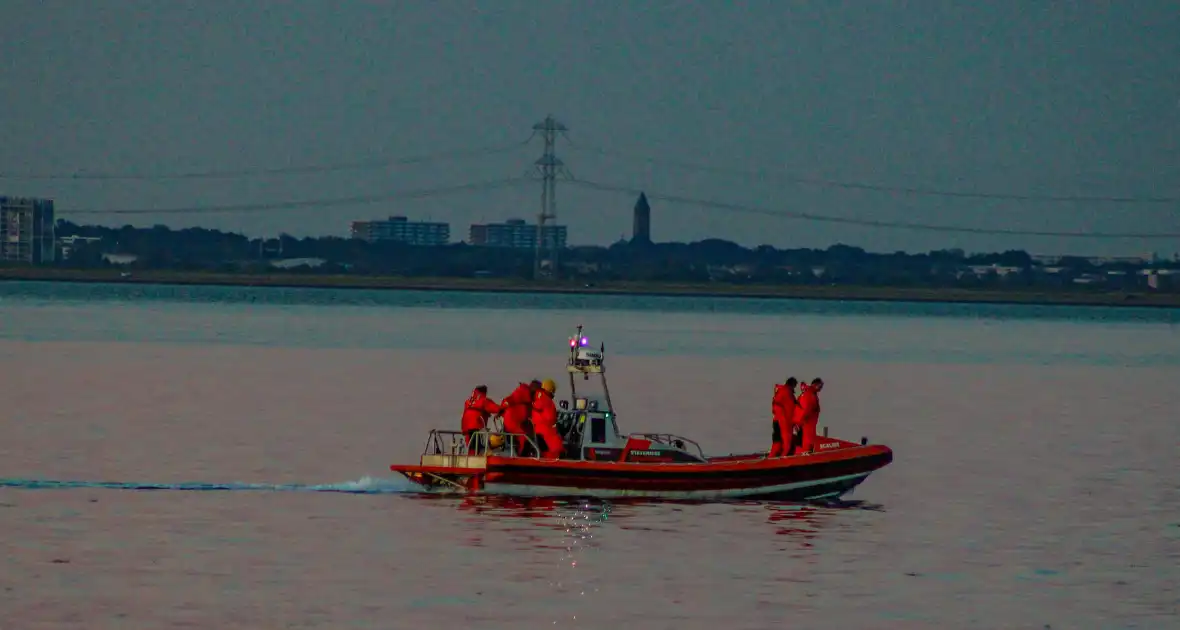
(1037, 297)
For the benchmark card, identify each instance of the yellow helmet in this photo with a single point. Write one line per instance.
(495, 441)
(548, 385)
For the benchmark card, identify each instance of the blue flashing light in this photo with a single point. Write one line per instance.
(585, 341)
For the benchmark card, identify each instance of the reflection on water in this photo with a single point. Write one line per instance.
(585, 551)
(800, 523)
(520, 515)
(580, 518)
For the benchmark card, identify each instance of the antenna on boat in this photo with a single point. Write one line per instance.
(605, 390)
(575, 343)
(585, 361)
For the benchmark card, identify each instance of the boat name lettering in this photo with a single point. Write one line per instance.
(646, 453)
(829, 445)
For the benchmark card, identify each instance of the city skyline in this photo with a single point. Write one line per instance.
(626, 225)
(844, 115)
(512, 232)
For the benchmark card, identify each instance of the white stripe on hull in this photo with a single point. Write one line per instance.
(719, 493)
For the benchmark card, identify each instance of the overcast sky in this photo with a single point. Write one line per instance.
(1017, 98)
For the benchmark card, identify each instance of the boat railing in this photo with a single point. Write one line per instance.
(455, 444)
(673, 440)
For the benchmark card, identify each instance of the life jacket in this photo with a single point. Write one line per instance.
(808, 409)
(783, 404)
(544, 411)
(516, 406)
(544, 419)
(476, 411)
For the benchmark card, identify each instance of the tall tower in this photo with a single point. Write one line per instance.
(548, 164)
(641, 229)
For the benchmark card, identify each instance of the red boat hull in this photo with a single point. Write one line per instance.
(828, 473)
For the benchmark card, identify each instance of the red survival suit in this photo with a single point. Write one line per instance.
(545, 424)
(476, 412)
(807, 416)
(783, 407)
(515, 409)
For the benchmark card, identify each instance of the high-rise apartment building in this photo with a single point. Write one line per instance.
(27, 230)
(402, 230)
(515, 233)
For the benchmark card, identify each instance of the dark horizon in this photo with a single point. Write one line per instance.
(631, 242)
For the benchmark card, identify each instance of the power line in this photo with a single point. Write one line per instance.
(371, 164)
(322, 203)
(901, 225)
(851, 185)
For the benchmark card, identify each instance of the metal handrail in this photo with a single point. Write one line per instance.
(498, 421)
(673, 440)
(453, 443)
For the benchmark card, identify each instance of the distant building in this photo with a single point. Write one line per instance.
(1053, 259)
(67, 244)
(120, 259)
(403, 230)
(641, 229)
(27, 230)
(295, 263)
(516, 233)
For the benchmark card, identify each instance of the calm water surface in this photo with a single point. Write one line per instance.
(196, 457)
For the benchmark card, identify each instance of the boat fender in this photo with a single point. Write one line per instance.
(825, 431)
(863, 440)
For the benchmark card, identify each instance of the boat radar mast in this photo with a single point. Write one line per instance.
(585, 360)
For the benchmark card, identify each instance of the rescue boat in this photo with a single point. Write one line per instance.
(601, 461)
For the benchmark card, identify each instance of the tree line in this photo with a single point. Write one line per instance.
(160, 247)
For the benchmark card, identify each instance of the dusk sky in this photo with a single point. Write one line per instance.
(1061, 99)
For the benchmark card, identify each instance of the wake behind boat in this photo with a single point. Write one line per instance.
(602, 462)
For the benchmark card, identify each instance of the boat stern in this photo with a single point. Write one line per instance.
(446, 473)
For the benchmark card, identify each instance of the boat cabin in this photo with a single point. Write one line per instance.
(590, 428)
(591, 433)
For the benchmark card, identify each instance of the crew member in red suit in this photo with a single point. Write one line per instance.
(476, 412)
(545, 421)
(783, 407)
(515, 411)
(807, 415)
